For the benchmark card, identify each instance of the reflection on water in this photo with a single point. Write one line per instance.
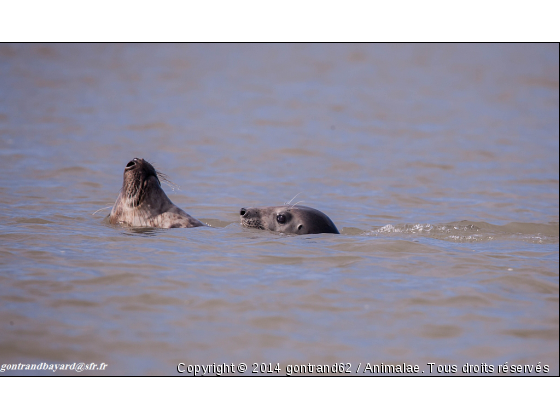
(438, 164)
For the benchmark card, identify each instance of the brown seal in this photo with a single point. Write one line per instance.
(298, 220)
(142, 202)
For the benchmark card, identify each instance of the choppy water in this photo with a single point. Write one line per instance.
(438, 163)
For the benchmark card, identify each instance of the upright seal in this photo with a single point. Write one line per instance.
(143, 203)
(298, 220)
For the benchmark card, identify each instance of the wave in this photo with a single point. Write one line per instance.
(467, 231)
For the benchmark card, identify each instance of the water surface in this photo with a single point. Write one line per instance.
(438, 164)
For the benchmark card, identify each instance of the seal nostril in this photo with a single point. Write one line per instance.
(242, 211)
(131, 164)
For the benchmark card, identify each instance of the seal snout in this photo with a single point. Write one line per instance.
(250, 218)
(132, 163)
(248, 213)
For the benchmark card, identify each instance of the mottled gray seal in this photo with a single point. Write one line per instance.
(299, 220)
(142, 202)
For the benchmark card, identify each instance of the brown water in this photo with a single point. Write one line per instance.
(438, 163)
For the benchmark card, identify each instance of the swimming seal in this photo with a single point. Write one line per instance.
(142, 202)
(298, 220)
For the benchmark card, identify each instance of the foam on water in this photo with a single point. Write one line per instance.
(466, 231)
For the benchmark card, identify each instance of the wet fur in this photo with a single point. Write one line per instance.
(143, 203)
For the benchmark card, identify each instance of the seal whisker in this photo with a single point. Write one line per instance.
(297, 204)
(171, 184)
(165, 179)
(96, 211)
(288, 203)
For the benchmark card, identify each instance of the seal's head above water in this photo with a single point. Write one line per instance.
(298, 220)
(143, 203)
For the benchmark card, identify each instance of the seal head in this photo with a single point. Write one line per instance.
(143, 203)
(298, 220)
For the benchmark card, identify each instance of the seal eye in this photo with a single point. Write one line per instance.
(131, 163)
(281, 219)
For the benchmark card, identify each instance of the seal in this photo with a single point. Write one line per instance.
(143, 203)
(298, 220)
